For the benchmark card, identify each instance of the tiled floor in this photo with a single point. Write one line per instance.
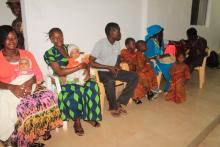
(153, 124)
(213, 139)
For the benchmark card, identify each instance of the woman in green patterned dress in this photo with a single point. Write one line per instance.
(75, 101)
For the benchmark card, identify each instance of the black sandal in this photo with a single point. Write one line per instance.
(47, 136)
(78, 130)
(35, 144)
(8, 142)
(137, 101)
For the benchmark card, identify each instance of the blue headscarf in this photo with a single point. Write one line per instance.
(152, 30)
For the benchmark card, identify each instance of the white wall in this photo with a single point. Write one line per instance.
(82, 21)
(174, 16)
(6, 16)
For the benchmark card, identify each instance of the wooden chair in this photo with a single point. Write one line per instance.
(201, 70)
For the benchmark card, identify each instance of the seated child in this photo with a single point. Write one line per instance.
(76, 58)
(179, 73)
(128, 55)
(147, 76)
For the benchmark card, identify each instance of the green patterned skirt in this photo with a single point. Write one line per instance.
(76, 101)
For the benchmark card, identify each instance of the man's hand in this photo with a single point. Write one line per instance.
(114, 70)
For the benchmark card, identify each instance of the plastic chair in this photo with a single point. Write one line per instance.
(201, 70)
(94, 73)
(53, 84)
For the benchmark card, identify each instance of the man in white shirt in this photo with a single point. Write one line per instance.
(105, 56)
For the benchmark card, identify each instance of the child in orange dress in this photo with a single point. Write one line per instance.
(128, 55)
(179, 73)
(147, 76)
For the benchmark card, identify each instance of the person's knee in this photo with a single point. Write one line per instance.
(134, 77)
(110, 83)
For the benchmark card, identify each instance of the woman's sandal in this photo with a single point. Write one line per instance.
(95, 124)
(35, 144)
(47, 136)
(8, 143)
(78, 130)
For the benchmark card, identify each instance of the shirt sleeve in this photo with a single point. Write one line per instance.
(49, 56)
(96, 50)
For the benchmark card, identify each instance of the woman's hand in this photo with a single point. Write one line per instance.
(86, 74)
(17, 90)
(27, 89)
(27, 86)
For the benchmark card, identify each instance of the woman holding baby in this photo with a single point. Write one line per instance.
(26, 113)
(77, 100)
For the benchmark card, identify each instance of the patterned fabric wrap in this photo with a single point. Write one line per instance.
(37, 114)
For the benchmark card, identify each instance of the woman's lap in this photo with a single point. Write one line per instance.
(36, 114)
(80, 101)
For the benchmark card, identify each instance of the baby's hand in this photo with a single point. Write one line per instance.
(85, 60)
(82, 66)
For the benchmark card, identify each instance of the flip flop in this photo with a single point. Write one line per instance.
(122, 110)
(78, 130)
(37, 144)
(47, 136)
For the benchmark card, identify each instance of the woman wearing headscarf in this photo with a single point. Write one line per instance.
(155, 52)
